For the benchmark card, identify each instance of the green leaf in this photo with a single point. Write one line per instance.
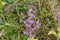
(58, 29)
(0, 1)
(0, 5)
(9, 1)
(17, 8)
(58, 35)
(23, 37)
(52, 32)
(21, 20)
(34, 0)
(1, 10)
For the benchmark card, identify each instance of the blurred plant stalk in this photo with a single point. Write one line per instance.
(1, 33)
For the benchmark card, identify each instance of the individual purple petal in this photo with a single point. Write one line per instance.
(27, 25)
(29, 29)
(27, 33)
(25, 21)
(30, 18)
(31, 15)
(38, 23)
(30, 21)
(38, 26)
(32, 30)
(30, 10)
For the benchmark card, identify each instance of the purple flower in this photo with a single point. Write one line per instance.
(31, 15)
(30, 18)
(29, 11)
(27, 33)
(38, 23)
(27, 25)
(29, 29)
(37, 26)
(25, 21)
(30, 21)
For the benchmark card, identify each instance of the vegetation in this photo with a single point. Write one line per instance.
(13, 13)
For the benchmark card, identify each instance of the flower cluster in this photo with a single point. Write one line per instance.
(30, 24)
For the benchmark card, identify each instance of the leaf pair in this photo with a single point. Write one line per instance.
(54, 33)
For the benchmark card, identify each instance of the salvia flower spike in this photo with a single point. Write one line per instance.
(29, 22)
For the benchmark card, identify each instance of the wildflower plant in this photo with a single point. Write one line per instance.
(28, 20)
(30, 24)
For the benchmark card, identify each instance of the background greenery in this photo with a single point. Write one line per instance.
(11, 22)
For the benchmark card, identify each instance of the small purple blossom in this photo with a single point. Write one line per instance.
(38, 23)
(29, 21)
(29, 10)
(31, 15)
(25, 21)
(27, 25)
(27, 33)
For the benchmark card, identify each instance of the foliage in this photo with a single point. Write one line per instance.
(11, 23)
(52, 32)
(55, 33)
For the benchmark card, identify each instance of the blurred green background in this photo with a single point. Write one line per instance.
(11, 22)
